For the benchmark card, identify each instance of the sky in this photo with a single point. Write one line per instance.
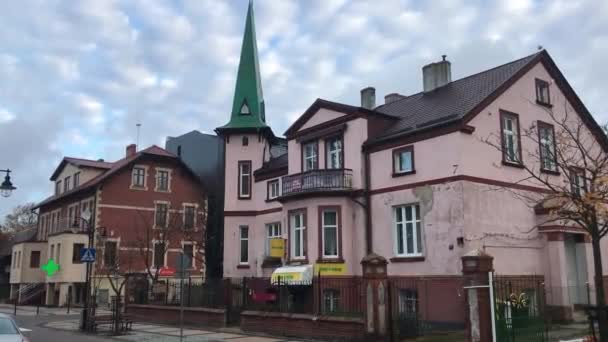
(77, 76)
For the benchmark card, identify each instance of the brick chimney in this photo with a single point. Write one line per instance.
(131, 150)
(436, 75)
(368, 98)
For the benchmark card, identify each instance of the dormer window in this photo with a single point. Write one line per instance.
(543, 96)
(245, 109)
(66, 183)
(58, 187)
(76, 179)
(334, 153)
(310, 160)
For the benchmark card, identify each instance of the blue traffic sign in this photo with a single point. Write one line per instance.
(87, 254)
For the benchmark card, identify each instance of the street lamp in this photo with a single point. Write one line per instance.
(85, 216)
(6, 188)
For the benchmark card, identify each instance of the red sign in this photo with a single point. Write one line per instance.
(263, 297)
(166, 272)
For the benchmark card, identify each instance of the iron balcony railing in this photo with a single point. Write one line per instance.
(317, 180)
(67, 225)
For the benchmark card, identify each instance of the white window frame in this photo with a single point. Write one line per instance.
(193, 244)
(67, 183)
(301, 231)
(578, 182)
(333, 297)
(139, 187)
(273, 231)
(274, 189)
(189, 205)
(168, 204)
(154, 243)
(58, 253)
(241, 240)
(117, 241)
(245, 175)
(313, 157)
(336, 152)
(76, 180)
(416, 252)
(408, 299)
(547, 146)
(158, 170)
(397, 160)
(336, 227)
(513, 134)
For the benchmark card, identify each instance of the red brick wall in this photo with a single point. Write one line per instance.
(133, 224)
(306, 326)
(440, 299)
(170, 315)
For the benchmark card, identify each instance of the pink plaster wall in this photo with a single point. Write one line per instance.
(322, 115)
(476, 212)
(442, 221)
(433, 158)
(354, 137)
(235, 151)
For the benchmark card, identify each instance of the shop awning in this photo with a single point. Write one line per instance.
(292, 275)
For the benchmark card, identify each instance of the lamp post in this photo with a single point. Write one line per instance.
(6, 188)
(86, 218)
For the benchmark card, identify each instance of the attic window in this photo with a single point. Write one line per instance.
(245, 109)
(543, 96)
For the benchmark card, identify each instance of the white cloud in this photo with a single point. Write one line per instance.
(6, 116)
(103, 66)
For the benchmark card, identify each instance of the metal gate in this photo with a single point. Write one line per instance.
(519, 309)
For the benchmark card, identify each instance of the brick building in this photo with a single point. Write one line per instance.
(146, 208)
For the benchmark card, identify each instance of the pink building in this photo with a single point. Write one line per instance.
(410, 179)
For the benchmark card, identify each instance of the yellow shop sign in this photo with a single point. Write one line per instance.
(330, 269)
(277, 248)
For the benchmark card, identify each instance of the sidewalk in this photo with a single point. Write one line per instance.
(159, 333)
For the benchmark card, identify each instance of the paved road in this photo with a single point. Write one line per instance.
(40, 333)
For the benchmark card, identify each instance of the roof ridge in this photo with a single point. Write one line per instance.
(466, 77)
(87, 159)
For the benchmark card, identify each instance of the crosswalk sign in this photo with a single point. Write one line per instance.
(87, 254)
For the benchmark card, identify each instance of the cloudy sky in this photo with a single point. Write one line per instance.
(76, 76)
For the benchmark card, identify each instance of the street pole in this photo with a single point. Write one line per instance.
(181, 297)
(85, 314)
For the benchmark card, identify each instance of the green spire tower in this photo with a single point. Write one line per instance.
(248, 105)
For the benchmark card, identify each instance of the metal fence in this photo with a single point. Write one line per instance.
(333, 296)
(427, 306)
(321, 296)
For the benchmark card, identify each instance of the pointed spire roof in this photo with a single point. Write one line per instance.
(248, 103)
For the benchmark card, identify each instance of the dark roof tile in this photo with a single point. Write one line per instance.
(450, 102)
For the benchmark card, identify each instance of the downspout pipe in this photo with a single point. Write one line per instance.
(368, 207)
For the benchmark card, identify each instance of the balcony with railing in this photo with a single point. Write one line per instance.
(317, 181)
(74, 225)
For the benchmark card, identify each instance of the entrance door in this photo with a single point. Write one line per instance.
(576, 262)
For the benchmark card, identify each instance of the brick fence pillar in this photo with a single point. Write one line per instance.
(375, 288)
(475, 268)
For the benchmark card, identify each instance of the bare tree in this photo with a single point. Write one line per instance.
(571, 163)
(21, 217)
(159, 233)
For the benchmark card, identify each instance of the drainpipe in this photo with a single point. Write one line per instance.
(368, 206)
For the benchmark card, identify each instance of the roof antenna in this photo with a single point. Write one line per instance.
(137, 141)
